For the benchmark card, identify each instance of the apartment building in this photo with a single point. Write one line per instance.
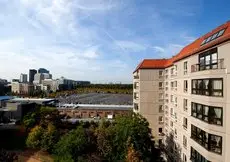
(187, 97)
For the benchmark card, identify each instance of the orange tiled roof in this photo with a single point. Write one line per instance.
(188, 50)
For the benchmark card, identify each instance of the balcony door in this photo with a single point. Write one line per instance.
(208, 60)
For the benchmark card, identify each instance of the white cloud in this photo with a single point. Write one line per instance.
(80, 39)
(168, 51)
(130, 46)
(159, 49)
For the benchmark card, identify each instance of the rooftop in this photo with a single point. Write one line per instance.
(215, 37)
(96, 106)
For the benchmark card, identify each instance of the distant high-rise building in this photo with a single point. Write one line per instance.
(32, 72)
(43, 70)
(23, 78)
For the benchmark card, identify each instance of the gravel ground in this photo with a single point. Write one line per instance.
(98, 98)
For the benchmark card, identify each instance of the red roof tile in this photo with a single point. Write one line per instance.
(188, 50)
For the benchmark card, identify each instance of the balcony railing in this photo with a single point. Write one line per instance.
(216, 64)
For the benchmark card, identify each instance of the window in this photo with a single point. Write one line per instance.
(175, 131)
(136, 96)
(185, 122)
(160, 130)
(208, 60)
(211, 142)
(160, 85)
(185, 67)
(171, 111)
(185, 86)
(171, 124)
(175, 85)
(185, 141)
(161, 97)
(209, 114)
(160, 119)
(136, 106)
(171, 85)
(184, 158)
(196, 156)
(221, 33)
(160, 73)
(136, 85)
(185, 104)
(208, 87)
(161, 109)
(213, 37)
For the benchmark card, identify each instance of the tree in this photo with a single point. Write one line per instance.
(49, 138)
(132, 155)
(135, 128)
(72, 146)
(35, 137)
(29, 120)
(104, 135)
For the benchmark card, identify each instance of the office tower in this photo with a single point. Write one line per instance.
(32, 72)
(23, 78)
(42, 70)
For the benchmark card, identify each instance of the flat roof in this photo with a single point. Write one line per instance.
(33, 100)
(95, 106)
(5, 98)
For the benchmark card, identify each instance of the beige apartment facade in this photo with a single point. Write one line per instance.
(188, 96)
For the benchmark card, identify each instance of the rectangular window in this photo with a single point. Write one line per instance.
(185, 67)
(197, 157)
(185, 104)
(136, 96)
(160, 130)
(184, 158)
(161, 73)
(208, 60)
(171, 111)
(185, 141)
(161, 109)
(209, 114)
(211, 142)
(185, 86)
(171, 98)
(208, 87)
(185, 122)
(161, 85)
(136, 106)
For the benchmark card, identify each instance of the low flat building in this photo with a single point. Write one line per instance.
(91, 111)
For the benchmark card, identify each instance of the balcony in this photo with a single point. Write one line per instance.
(216, 64)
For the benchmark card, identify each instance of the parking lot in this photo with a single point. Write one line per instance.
(98, 98)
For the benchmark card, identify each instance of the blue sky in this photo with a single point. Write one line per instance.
(99, 40)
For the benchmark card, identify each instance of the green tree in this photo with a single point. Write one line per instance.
(35, 136)
(135, 129)
(72, 146)
(105, 135)
(49, 138)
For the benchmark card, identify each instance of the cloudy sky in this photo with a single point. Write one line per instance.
(99, 40)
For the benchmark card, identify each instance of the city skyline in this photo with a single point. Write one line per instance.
(101, 41)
